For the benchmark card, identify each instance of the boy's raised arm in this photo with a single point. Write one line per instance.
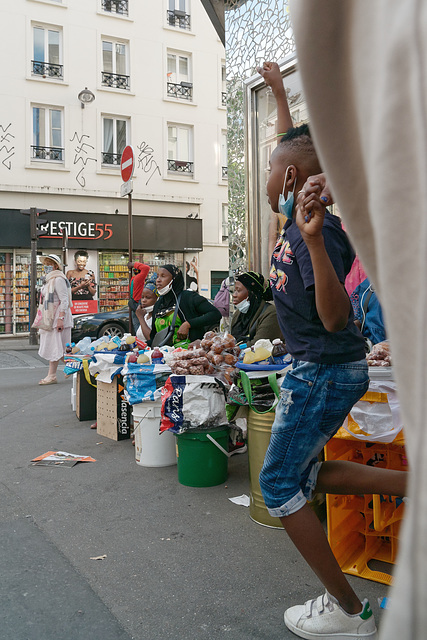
(273, 78)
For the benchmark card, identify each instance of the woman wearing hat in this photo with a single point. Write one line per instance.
(254, 318)
(196, 314)
(56, 297)
(144, 311)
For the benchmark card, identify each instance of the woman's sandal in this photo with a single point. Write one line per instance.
(48, 380)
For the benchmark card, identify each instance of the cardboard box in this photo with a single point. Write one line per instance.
(114, 414)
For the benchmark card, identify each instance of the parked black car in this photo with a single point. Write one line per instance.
(95, 325)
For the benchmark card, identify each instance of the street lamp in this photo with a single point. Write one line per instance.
(86, 97)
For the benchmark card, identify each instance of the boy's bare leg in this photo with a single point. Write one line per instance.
(307, 533)
(352, 478)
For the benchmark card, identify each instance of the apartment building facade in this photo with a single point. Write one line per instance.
(87, 78)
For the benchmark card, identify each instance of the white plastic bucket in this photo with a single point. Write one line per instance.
(152, 449)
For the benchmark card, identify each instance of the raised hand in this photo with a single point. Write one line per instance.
(310, 214)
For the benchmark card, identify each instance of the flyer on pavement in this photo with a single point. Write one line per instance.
(60, 458)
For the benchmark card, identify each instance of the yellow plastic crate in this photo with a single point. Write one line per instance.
(365, 528)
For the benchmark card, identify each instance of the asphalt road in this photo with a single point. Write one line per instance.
(181, 563)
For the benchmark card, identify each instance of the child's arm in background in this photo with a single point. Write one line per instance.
(332, 301)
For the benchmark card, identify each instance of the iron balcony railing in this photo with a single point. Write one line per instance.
(179, 19)
(115, 80)
(47, 153)
(47, 69)
(111, 158)
(116, 6)
(180, 166)
(223, 98)
(224, 173)
(183, 91)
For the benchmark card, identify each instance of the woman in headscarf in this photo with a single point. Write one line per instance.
(144, 311)
(255, 318)
(195, 316)
(56, 298)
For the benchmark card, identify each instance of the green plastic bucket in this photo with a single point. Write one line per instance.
(200, 462)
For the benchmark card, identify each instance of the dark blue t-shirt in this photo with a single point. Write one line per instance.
(292, 283)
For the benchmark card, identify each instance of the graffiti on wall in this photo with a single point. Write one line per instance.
(82, 149)
(7, 150)
(146, 160)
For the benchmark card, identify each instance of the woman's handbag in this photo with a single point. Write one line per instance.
(39, 322)
(165, 336)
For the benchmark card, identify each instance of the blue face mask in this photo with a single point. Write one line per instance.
(286, 207)
(48, 268)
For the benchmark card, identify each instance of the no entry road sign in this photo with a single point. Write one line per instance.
(127, 163)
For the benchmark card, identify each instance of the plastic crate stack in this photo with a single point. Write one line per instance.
(365, 528)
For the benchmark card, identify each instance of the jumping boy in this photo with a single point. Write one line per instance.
(329, 374)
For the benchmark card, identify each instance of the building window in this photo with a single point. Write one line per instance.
(121, 7)
(115, 136)
(178, 14)
(224, 156)
(179, 83)
(223, 85)
(47, 134)
(47, 53)
(224, 222)
(180, 149)
(115, 65)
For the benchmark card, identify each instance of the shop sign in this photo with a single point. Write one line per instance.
(102, 231)
(84, 306)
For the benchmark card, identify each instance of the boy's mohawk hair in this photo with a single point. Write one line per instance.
(299, 142)
(296, 132)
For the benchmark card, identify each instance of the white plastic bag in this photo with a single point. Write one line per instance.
(379, 421)
(192, 402)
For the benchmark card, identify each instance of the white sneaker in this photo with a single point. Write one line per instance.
(324, 618)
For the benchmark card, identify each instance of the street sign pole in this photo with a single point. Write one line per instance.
(64, 248)
(33, 276)
(126, 168)
(130, 230)
(33, 212)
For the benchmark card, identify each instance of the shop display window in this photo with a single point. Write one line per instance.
(15, 291)
(114, 275)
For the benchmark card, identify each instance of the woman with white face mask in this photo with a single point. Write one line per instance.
(195, 315)
(56, 297)
(254, 318)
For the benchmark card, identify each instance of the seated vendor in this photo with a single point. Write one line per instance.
(195, 315)
(255, 318)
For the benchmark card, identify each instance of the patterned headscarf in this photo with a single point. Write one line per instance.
(150, 283)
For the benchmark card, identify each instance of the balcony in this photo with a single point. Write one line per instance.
(113, 159)
(179, 19)
(224, 173)
(47, 69)
(180, 166)
(223, 98)
(115, 80)
(183, 91)
(120, 7)
(50, 154)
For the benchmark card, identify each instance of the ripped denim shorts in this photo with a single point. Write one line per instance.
(315, 399)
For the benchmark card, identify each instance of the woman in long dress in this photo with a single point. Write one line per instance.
(56, 296)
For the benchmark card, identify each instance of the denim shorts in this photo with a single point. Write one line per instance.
(315, 399)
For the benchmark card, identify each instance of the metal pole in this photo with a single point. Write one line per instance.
(33, 275)
(130, 234)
